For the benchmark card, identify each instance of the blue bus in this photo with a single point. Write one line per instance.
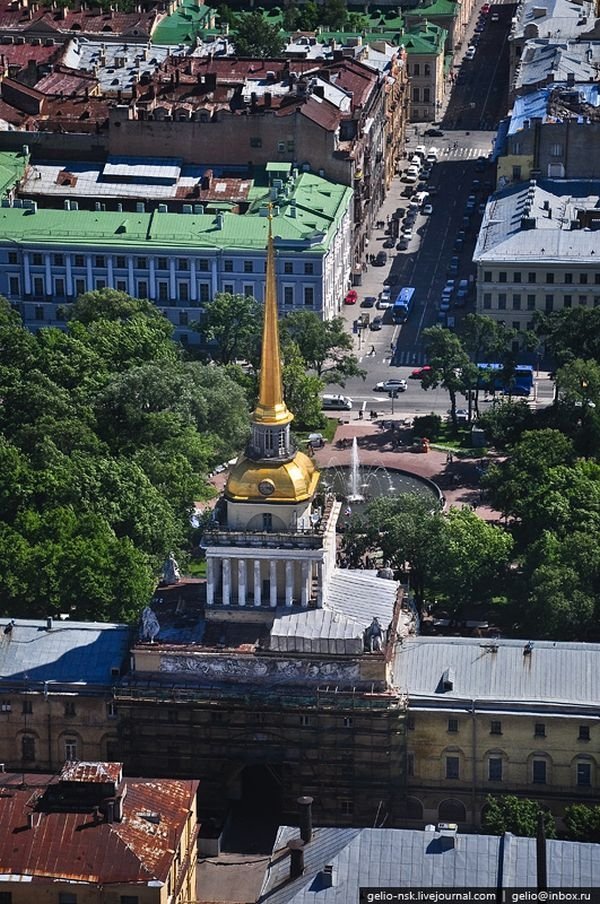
(403, 304)
(521, 384)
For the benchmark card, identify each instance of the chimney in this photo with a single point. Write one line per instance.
(305, 818)
(31, 820)
(110, 811)
(49, 623)
(540, 854)
(327, 876)
(296, 849)
(527, 649)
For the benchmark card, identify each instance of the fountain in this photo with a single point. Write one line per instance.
(358, 484)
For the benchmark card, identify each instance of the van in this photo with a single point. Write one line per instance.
(421, 197)
(334, 402)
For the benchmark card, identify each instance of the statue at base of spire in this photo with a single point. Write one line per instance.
(170, 571)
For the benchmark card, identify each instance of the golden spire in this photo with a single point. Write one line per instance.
(271, 407)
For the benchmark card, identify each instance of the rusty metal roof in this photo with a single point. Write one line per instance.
(39, 844)
(92, 772)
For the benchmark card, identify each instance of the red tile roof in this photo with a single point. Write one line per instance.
(64, 81)
(22, 54)
(140, 848)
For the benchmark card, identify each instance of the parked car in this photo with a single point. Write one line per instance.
(411, 175)
(453, 266)
(434, 133)
(427, 209)
(351, 297)
(459, 244)
(385, 294)
(376, 323)
(368, 302)
(389, 243)
(381, 259)
(444, 303)
(390, 386)
(420, 150)
(485, 9)
(403, 244)
(432, 156)
(471, 51)
(407, 232)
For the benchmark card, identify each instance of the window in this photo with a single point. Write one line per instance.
(502, 276)
(416, 69)
(516, 302)
(516, 325)
(141, 263)
(70, 708)
(291, 145)
(288, 295)
(183, 290)
(346, 807)
(70, 749)
(288, 267)
(38, 286)
(248, 266)
(172, 715)
(487, 300)
(452, 725)
(597, 278)
(216, 718)
(14, 285)
(267, 521)
(5, 897)
(568, 278)
(304, 720)
(228, 288)
(79, 260)
(583, 300)
(309, 268)
(228, 266)
(539, 730)
(39, 312)
(27, 707)
(142, 288)
(100, 260)
(539, 772)
(28, 748)
(67, 897)
(502, 301)
(79, 286)
(12, 257)
(452, 767)
(111, 710)
(204, 292)
(495, 727)
(162, 263)
(583, 278)
(531, 302)
(59, 260)
(517, 276)
(410, 764)
(584, 775)
(495, 769)
(531, 277)
(248, 290)
(281, 147)
(426, 69)
(37, 260)
(100, 284)
(568, 301)
(347, 721)
(550, 278)
(163, 291)
(516, 173)
(426, 95)
(416, 95)
(584, 733)
(256, 142)
(487, 276)
(203, 264)
(549, 303)
(556, 150)
(309, 296)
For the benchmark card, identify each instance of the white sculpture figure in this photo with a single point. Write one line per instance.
(374, 637)
(150, 626)
(171, 572)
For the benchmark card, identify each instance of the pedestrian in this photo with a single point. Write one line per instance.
(392, 347)
(372, 352)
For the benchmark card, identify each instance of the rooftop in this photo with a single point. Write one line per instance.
(66, 653)
(561, 19)
(561, 675)
(545, 60)
(117, 67)
(557, 103)
(43, 829)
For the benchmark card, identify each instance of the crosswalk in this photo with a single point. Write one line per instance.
(408, 358)
(450, 152)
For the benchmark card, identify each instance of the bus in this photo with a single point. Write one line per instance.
(521, 384)
(403, 304)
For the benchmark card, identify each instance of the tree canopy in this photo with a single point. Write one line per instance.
(253, 36)
(520, 816)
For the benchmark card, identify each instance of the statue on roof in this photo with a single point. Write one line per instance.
(170, 571)
(150, 627)
(374, 637)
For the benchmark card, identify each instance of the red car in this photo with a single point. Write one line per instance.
(351, 297)
(485, 9)
(419, 372)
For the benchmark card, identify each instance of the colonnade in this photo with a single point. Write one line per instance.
(261, 582)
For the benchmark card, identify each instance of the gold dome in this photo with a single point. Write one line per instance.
(290, 481)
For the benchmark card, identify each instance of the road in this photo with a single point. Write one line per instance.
(477, 101)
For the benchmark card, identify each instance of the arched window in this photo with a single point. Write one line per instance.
(414, 808)
(28, 748)
(452, 810)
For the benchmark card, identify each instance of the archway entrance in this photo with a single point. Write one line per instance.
(255, 809)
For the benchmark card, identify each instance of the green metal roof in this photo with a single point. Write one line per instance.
(319, 205)
(425, 38)
(439, 8)
(280, 166)
(12, 167)
(182, 26)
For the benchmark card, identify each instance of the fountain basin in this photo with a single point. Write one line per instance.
(376, 481)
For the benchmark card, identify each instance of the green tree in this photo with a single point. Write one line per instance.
(470, 559)
(571, 334)
(110, 304)
(447, 358)
(309, 16)
(324, 345)
(506, 421)
(252, 36)
(334, 14)
(357, 22)
(508, 813)
(301, 391)
(291, 17)
(583, 823)
(234, 324)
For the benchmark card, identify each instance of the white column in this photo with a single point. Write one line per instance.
(193, 281)
(214, 276)
(319, 585)
(110, 279)
(241, 582)
(90, 276)
(69, 276)
(305, 583)
(289, 582)
(226, 581)
(152, 279)
(210, 582)
(273, 582)
(172, 283)
(48, 282)
(26, 273)
(257, 583)
(130, 276)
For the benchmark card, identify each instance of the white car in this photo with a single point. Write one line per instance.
(421, 150)
(432, 156)
(390, 386)
(471, 50)
(427, 210)
(385, 294)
